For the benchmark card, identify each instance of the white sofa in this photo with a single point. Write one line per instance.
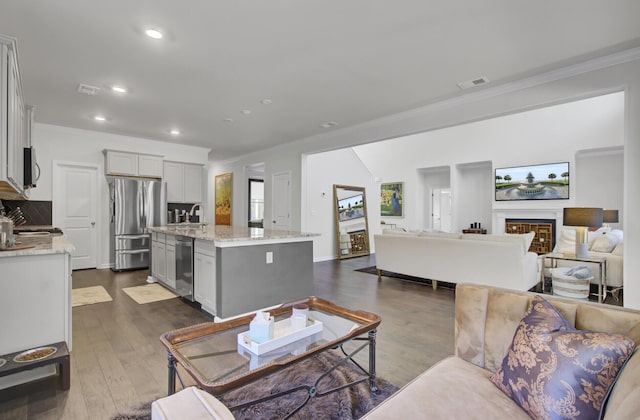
(493, 260)
(605, 242)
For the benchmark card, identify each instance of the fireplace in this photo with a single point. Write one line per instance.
(545, 232)
(529, 215)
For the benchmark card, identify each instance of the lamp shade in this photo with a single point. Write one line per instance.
(610, 216)
(582, 216)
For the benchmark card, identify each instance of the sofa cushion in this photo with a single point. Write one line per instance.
(398, 232)
(604, 243)
(523, 239)
(451, 389)
(618, 250)
(553, 370)
(452, 235)
(623, 399)
(190, 403)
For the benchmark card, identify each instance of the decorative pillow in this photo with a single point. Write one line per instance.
(567, 241)
(604, 243)
(554, 371)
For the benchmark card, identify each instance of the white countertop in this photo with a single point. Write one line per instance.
(231, 233)
(55, 244)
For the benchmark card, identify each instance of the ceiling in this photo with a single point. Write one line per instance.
(339, 61)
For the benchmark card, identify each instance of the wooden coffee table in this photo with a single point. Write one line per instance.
(209, 352)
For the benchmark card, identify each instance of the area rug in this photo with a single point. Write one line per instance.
(348, 403)
(149, 293)
(89, 296)
(373, 270)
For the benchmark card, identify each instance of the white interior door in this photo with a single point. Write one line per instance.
(441, 209)
(281, 201)
(75, 210)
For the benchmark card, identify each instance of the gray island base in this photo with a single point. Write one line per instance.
(239, 270)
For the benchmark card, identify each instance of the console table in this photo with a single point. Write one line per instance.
(602, 267)
(477, 231)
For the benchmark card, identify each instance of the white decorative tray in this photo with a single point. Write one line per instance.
(283, 334)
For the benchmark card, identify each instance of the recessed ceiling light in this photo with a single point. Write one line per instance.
(328, 124)
(100, 118)
(175, 132)
(246, 111)
(153, 33)
(266, 101)
(119, 89)
(228, 120)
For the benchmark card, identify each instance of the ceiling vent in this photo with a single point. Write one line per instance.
(87, 89)
(472, 83)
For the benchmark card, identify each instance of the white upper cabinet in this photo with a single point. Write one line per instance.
(150, 166)
(184, 182)
(192, 183)
(13, 122)
(133, 164)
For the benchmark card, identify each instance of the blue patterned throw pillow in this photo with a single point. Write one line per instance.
(554, 371)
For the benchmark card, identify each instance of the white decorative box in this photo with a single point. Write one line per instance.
(283, 334)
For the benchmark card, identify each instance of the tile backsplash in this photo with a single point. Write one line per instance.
(35, 212)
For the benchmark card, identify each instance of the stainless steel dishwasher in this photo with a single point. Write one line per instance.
(184, 267)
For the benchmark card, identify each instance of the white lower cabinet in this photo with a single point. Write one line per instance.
(170, 275)
(159, 258)
(204, 275)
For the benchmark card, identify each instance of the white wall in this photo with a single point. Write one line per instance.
(546, 135)
(55, 143)
(323, 170)
(603, 168)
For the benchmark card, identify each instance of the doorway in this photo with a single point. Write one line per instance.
(256, 203)
(75, 210)
(441, 210)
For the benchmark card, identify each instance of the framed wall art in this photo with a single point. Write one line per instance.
(223, 195)
(392, 199)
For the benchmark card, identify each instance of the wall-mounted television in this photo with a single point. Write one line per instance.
(549, 181)
(351, 208)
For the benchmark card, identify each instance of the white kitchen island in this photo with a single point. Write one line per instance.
(35, 307)
(237, 269)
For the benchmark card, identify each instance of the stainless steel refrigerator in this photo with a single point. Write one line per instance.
(134, 205)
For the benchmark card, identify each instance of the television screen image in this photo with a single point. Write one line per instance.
(350, 208)
(536, 182)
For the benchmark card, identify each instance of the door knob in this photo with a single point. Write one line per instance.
(273, 221)
(93, 223)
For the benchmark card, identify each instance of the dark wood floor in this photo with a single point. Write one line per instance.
(118, 362)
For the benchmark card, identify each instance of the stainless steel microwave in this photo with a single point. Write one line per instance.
(31, 168)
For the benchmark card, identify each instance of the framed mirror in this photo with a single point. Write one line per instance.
(352, 228)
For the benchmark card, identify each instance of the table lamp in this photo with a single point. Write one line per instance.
(582, 218)
(609, 216)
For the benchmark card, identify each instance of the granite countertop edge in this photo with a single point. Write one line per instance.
(231, 234)
(42, 246)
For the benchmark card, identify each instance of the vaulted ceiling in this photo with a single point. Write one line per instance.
(240, 75)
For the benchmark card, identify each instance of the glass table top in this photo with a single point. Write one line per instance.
(211, 354)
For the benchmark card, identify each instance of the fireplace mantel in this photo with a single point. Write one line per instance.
(501, 215)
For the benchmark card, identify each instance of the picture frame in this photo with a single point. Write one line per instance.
(223, 198)
(392, 199)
